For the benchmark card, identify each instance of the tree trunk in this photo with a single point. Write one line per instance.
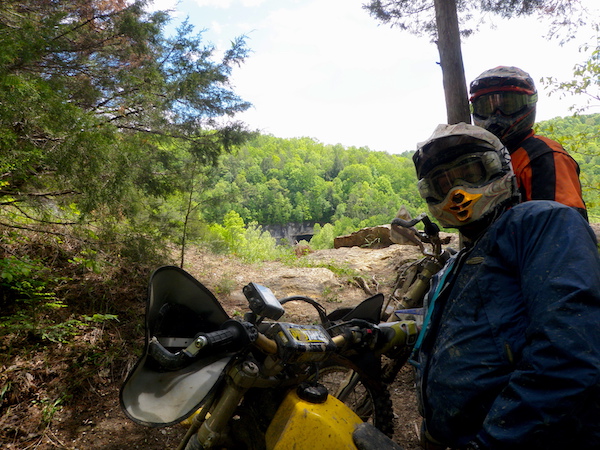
(453, 72)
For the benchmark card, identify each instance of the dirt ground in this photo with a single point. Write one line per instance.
(86, 414)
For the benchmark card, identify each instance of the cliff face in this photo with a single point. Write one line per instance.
(292, 232)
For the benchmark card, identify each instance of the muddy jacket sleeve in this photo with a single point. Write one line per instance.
(552, 395)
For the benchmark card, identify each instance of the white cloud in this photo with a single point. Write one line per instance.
(252, 3)
(216, 27)
(326, 69)
(224, 4)
(214, 3)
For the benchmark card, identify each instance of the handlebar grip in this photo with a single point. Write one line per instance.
(233, 334)
(431, 229)
(398, 335)
(406, 223)
(165, 359)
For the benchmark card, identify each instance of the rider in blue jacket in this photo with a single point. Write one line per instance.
(509, 356)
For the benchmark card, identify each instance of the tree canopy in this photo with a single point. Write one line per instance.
(271, 180)
(418, 16)
(445, 20)
(94, 97)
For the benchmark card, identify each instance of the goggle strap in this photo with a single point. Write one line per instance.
(493, 89)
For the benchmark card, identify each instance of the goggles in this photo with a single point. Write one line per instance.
(471, 170)
(508, 102)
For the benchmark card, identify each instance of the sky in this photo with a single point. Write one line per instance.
(325, 69)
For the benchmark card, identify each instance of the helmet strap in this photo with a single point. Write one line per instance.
(506, 133)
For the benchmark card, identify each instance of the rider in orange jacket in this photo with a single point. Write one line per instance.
(503, 101)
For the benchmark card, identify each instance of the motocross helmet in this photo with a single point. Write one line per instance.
(178, 307)
(464, 175)
(503, 102)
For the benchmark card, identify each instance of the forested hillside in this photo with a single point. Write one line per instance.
(269, 180)
(580, 135)
(274, 181)
(110, 131)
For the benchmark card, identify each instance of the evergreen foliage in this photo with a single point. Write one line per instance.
(94, 98)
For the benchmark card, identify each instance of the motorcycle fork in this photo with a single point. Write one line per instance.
(214, 429)
(347, 386)
(416, 292)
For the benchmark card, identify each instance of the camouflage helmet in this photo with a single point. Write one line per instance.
(464, 174)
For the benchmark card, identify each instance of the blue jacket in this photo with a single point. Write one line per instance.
(511, 354)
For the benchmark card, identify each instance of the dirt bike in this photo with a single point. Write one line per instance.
(412, 284)
(406, 302)
(259, 383)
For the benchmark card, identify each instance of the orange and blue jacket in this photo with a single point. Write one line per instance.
(545, 171)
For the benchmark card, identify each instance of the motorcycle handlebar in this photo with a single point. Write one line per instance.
(389, 338)
(164, 358)
(233, 334)
(407, 223)
(431, 229)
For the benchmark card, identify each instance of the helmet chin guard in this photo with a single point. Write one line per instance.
(178, 307)
(464, 174)
(460, 204)
(507, 128)
(465, 205)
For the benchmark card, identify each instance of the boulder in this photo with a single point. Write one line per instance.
(371, 237)
(381, 236)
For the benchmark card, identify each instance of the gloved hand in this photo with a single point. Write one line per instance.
(475, 444)
(428, 445)
(427, 441)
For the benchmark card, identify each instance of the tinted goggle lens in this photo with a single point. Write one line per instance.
(508, 103)
(474, 170)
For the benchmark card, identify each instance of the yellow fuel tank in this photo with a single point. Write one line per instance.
(301, 424)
